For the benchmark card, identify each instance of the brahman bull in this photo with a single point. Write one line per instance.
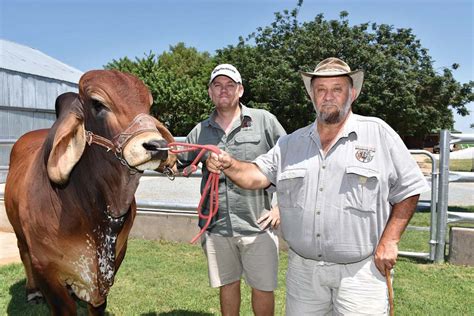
(70, 189)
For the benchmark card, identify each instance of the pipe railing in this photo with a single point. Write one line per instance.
(438, 205)
(432, 204)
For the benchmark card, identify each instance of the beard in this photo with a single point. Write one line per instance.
(328, 116)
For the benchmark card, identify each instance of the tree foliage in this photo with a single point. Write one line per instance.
(178, 83)
(401, 85)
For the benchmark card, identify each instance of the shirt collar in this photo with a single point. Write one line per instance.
(350, 125)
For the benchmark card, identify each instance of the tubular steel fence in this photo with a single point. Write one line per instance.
(438, 205)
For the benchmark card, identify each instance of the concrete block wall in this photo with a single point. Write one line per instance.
(461, 246)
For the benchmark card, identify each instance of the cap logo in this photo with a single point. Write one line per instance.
(224, 68)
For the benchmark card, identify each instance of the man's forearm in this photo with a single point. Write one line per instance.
(399, 218)
(387, 249)
(246, 175)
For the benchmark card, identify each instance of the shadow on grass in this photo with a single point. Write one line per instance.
(426, 208)
(414, 260)
(458, 209)
(19, 307)
(178, 312)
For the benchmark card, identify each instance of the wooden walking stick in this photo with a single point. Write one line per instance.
(390, 290)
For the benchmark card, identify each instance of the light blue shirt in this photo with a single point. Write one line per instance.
(334, 206)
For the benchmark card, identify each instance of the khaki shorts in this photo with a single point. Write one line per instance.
(255, 257)
(316, 288)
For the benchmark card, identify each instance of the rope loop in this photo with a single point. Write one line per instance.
(212, 184)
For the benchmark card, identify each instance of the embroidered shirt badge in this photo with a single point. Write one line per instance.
(364, 154)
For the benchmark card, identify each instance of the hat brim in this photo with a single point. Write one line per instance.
(357, 77)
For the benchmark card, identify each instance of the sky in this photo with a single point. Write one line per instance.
(87, 34)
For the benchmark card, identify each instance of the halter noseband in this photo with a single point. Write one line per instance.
(141, 123)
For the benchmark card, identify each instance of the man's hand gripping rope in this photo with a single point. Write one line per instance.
(212, 184)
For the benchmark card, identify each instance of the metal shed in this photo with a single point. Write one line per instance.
(30, 82)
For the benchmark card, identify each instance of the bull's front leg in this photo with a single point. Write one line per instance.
(57, 296)
(33, 294)
(96, 311)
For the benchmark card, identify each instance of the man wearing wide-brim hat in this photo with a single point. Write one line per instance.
(347, 187)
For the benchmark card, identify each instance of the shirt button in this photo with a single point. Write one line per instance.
(324, 167)
(320, 189)
(320, 255)
(317, 213)
(318, 235)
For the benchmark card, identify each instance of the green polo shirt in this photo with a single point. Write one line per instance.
(254, 134)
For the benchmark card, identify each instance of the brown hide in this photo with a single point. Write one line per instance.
(70, 202)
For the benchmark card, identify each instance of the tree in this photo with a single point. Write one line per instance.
(401, 86)
(178, 83)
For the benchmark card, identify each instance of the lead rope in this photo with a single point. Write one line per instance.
(212, 183)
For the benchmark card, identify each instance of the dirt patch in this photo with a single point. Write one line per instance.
(424, 162)
(9, 253)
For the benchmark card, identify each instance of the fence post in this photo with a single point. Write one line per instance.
(434, 205)
(443, 189)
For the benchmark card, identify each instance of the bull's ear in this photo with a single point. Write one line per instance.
(68, 145)
(163, 131)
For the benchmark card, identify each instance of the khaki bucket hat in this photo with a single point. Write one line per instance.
(333, 67)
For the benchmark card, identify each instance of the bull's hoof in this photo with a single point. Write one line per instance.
(35, 298)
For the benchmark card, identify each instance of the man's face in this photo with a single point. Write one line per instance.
(224, 92)
(333, 97)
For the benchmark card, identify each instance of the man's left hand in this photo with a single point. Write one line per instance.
(271, 218)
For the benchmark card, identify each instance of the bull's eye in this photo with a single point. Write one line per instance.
(98, 106)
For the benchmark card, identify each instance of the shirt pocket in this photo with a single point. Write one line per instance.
(291, 189)
(361, 186)
(248, 145)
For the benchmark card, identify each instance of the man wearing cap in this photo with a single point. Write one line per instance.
(347, 187)
(240, 240)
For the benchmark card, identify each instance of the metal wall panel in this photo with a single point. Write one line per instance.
(4, 95)
(26, 103)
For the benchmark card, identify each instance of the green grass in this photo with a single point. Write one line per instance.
(164, 278)
(464, 146)
(413, 240)
(156, 278)
(463, 165)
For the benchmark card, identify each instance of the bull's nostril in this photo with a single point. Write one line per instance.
(156, 145)
(157, 148)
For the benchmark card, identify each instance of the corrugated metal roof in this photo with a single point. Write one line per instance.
(25, 59)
